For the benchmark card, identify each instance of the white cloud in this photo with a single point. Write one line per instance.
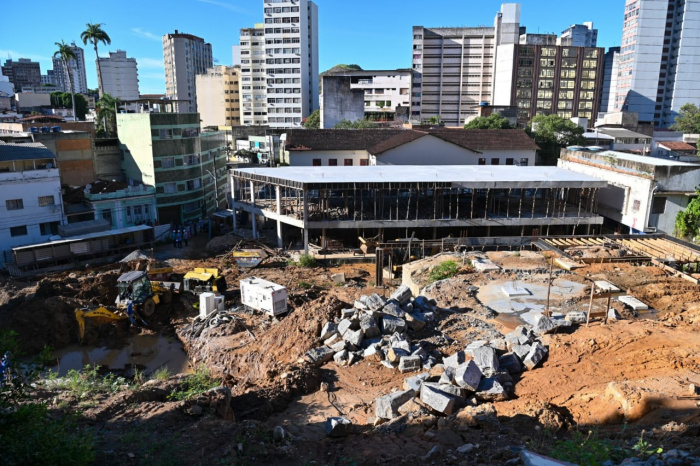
(146, 35)
(150, 63)
(15, 55)
(228, 6)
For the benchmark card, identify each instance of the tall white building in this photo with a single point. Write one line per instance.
(659, 59)
(218, 98)
(291, 61)
(120, 76)
(610, 72)
(77, 72)
(579, 35)
(184, 56)
(253, 80)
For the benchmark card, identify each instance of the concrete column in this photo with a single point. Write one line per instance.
(306, 223)
(278, 193)
(254, 225)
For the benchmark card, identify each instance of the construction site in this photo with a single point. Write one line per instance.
(455, 350)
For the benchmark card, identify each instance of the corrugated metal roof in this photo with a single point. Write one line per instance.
(100, 234)
(29, 151)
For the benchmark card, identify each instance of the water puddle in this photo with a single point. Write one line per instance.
(146, 352)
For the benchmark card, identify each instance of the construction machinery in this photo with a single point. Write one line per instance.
(137, 287)
(100, 315)
(204, 280)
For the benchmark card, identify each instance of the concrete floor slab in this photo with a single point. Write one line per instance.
(633, 302)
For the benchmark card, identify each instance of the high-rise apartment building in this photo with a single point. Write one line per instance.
(77, 72)
(22, 73)
(218, 97)
(453, 67)
(658, 64)
(610, 72)
(120, 76)
(579, 35)
(253, 80)
(291, 61)
(184, 56)
(48, 79)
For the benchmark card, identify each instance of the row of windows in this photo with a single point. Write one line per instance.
(284, 9)
(169, 133)
(18, 204)
(334, 162)
(282, 20)
(46, 229)
(280, 41)
(282, 61)
(283, 50)
(497, 161)
(293, 40)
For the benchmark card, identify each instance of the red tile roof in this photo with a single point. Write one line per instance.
(677, 146)
(336, 139)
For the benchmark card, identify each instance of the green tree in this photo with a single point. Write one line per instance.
(688, 119)
(493, 121)
(65, 100)
(313, 121)
(94, 34)
(65, 54)
(688, 220)
(357, 124)
(435, 120)
(107, 114)
(551, 133)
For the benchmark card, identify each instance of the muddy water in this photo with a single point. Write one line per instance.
(145, 352)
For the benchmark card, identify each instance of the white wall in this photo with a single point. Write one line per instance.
(503, 76)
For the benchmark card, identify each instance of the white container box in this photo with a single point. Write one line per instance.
(264, 296)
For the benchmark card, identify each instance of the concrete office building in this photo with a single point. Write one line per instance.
(186, 166)
(579, 35)
(252, 82)
(49, 79)
(218, 98)
(291, 61)
(77, 72)
(184, 56)
(372, 95)
(22, 73)
(120, 76)
(610, 73)
(544, 79)
(659, 59)
(453, 67)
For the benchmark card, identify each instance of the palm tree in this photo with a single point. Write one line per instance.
(107, 112)
(65, 53)
(94, 34)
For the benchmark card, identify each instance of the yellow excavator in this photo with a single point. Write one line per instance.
(101, 315)
(201, 280)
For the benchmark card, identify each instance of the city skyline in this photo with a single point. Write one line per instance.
(379, 40)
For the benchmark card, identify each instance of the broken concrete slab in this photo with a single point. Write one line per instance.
(448, 388)
(341, 357)
(578, 317)
(415, 321)
(374, 302)
(338, 278)
(436, 399)
(338, 426)
(535, 356)
(521, 351)
(499, 344)
(511, 363)
(338, 346)
(485, 265)
(424, 304)
(319, 356)
(505, 379)
(485, 357)
(353, 337)
(391, 324)
(347, 313)
(369, 327)
(491, 390)
(343, 326)
(607, 287)
(414, 383)
(409, 364)
(373, 353)
(519, 336)
(474, 345)
(332, 340)
(633, 303)
(514, 290)
(387, 406)
(402, 294)
(468, 375)
(394, 355)
(328, 330)
(544, 325)
(455, 360)
(448, 376)
(393, 308)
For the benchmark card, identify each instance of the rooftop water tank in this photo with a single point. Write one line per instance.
(45, 129)
(56, 129)
(33, 129)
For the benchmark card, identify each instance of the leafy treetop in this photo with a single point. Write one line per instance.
(313, 121)
(688, 119)
(493, 121)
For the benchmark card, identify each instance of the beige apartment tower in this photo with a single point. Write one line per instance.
(218, 98)
(184, 56)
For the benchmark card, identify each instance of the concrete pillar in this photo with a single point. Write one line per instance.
(278, 193)
(434, 232)
(253, 223)
(323, 241)
(306, 222)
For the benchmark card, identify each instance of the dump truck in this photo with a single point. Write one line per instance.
(204, 280)
(264, 296)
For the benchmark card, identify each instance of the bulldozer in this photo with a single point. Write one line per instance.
(201, 280)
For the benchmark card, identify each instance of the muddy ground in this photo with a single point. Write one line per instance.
(618, 378)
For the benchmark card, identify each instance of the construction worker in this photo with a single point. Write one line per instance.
(130, 311)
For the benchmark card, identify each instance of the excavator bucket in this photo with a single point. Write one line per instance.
(100, 315)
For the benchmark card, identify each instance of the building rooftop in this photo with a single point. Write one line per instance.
(337, 139)
(623, 133)
(679, 146)
(27, 151)
(659, 162)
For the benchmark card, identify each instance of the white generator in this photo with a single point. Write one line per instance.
(264, 296)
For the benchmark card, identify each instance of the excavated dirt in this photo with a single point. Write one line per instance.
(621, 377)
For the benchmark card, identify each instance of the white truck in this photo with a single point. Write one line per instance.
(264, 296)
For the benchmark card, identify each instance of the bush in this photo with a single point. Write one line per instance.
(445, 270)
(587, 450)
(195, 384)
(90, 382)
(161, 374)
(305, 285)
(307, 260)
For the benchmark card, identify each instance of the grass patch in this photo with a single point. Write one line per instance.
(89, 382)
(445, 270)
(161, 374)
(195, 384)
(305, 285)
(587, 449)
(307, 260)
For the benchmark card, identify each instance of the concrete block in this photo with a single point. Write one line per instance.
(613, 314)
(421, 353)
(393, 308)
(328, 330)
(437, 400)
(606, 287)
(562, 323)
(343, 326)
(394, 355)
(409, 364)
(387, 406)
(455, 360)
(414, 383)
(402, 294)
(373, 353)
(513, 290)
(375, 302)
(408, 308)
(521, 351)
(535, 356)
(369, 327)
(437, 370)
(339, 345)
(347, 313)
(519, 336)
(578, 317)
(505, 379)
(332, 340)
(338, 278)
(485, 357)
(388, 364)
(491, 390)
(499, 344)
(511, 363)
(468, 375)
(448, 376)
(485, 265)
(544, 325)
(354, 357)
(391, 324)
(341, 357)
(319, 356)
(450, 389)
(353, 337)
(424, 304)
(360, 304)
(415, 321)
(338, 426)
(633, 303)
(474, 345)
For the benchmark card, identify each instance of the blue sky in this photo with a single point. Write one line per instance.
(376, 34)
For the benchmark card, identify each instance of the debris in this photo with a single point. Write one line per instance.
(511, 363)
(338, 426)
(535, 356)
(512, 290)
(369, 327)
(320, 355)
(328, 331)
(402, 295)
(278, 433)
(409, 364)
(468, 375)
(485, 357)
(353, 336)
(338, 278)
(485, 265)
(613, 314)
(633, 303)
(436, 399)
(386, 407)
(391, 325)
(578, 317)
(455, 360)
(491, 390)
(544, 325)
(415, 382)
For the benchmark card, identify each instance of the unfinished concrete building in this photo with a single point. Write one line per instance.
(342, 203)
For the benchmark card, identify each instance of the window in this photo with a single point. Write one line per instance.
(18, 231)
(364, 162)
(482, 161)
(510, 162)
(659, 205)
(107, 215)
(165, 134)
(49, 228)
(169, 188)
(167, 162)
(524, 161)
(191, 159)
(194, 184)
(14, 204)
(347, 162)
(317, 162)
(45, 201)
(332, 162)
(128, 214)
(495, 161)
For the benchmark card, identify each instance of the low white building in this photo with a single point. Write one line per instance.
(645, 193)
(30, 196)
